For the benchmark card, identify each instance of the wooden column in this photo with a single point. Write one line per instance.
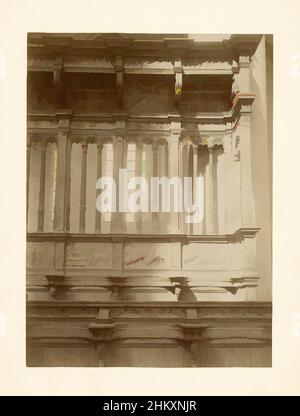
(181, 218)
(138, 172)
(84, 147)
(195, 172)
(118, 148)
(244, 131)
(99, 174)
(195, 175)
(247, 202)
(68, 184)
(61, 182)
(29, 143)
(174, 173)
(124, 187)
(41, 208)
(242, 78)
(227, 179)
(210, 196)
(155, 174)
(62, 191)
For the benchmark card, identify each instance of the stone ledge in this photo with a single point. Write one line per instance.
(237, 236)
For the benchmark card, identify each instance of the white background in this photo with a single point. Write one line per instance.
(173, 16)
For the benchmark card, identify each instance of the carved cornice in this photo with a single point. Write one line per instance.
(245, 232)
(57, 47)
(92, 137)
(242, 103)
(237, 236)
(41, 136)
(204, 308)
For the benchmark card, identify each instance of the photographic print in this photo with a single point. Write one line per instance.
(149, 200)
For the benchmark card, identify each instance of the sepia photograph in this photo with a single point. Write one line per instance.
(149, 200)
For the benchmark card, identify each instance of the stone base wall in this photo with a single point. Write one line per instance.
(164, 334)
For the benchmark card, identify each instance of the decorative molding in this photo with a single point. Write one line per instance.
(138, 50)
(205, 309)
(212, 324)
(241, 104)
(239, 235)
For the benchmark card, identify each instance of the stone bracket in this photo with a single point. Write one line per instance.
(55, 284)
(101, 332)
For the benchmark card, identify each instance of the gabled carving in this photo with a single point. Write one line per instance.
(144, 94)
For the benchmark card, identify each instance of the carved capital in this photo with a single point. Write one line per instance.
(210, 148)
(195, 149)
(99, 147)
(43, 145)
(155, 146)
(84, 147)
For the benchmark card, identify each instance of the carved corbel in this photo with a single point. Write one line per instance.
(117, 288)
(182, 290)
(173, 289)
(117, 292)
(101, 331)
(185, 294)
(232, 289)
(101, 336)
(55, 284)
(192, 335)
